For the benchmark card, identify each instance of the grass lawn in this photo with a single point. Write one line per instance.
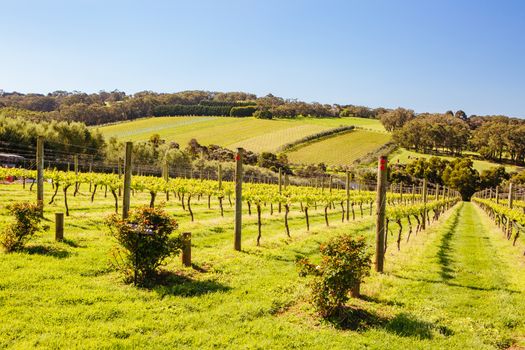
(458, 285)
(406, 156)
(253, 134)
(341, 149)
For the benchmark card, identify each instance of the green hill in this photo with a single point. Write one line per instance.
(253, 134)
(341, 149)
(269, 135)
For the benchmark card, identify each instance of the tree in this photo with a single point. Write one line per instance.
(263, 114)
(434, 132)
(431, 169)
(493, 177)
(397, 118)
(461, 176)
(461, 115)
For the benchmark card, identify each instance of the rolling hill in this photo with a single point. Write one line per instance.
(269, 135)
(253, 134)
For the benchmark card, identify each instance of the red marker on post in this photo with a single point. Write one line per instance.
(382, 163)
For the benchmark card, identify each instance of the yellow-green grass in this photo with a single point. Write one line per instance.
(253, 134)
(459, 285)
(404, 156)
(341, 149)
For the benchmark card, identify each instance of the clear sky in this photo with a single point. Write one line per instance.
(425, 55)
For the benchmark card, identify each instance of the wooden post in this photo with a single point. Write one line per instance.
(59, 226)
(381, 211)
(511, 195)
(238, 198)
(497, 194)
(219, 175)
(401, 191)
(127, 180)
(330, 184)
(186, 249)
(119, 167)
(424, 215)
(40, 172)
(280, 186)
(437, 192)
(166, 176)
(90, 170)
(75, 163)
(347, 195)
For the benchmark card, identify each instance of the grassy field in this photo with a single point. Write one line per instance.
(339, 150)
(253, 134)
(405, 156)
(458, 285)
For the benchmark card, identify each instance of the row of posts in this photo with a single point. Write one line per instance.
(490, 193)
(380, 200)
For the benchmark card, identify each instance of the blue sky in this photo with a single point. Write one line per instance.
(425, 55)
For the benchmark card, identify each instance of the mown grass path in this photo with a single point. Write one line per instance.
(465, 289)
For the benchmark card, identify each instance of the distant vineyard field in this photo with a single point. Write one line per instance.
(253, 134)
(340, 150)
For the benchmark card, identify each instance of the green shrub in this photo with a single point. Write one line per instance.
(177, 109)
(345, 262)
(242, 111)
(145, 241)
(27, 222)
(263, 114)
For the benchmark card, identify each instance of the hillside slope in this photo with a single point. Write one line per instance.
(253, 134)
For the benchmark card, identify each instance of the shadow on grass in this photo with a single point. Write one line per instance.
(371, 299)
(452, 284)
(444, 254)
(72, 243)
(47, 250)
(403, 324)
(171, 283)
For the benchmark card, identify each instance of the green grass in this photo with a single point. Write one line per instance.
(253, 134)
(339, 150)
(458, 285)
(406, 156)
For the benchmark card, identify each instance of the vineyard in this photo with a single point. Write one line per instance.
(212, 300)
(273, 198)
(507, 213)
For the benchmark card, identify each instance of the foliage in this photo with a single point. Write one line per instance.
(263, 114)
(174, 110)
(145, 241)
(461, 175)
(431, 169)
(491, 178)
(358, 112)
(60, 136)
(345, 262)
(242, 111)
(27, 218)
(396, 118)
(434, 132)
(274, 162)
(519, 178)
(498, 137)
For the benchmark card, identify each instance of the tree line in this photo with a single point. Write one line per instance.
(458, 174)
(496, 138)
(109, 107)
